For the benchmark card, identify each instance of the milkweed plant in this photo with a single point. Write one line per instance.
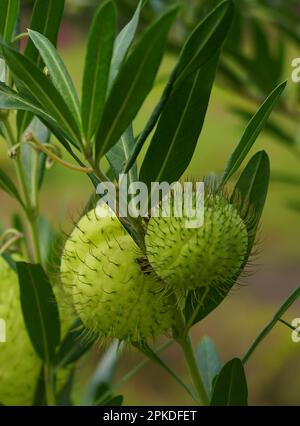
(118, 281)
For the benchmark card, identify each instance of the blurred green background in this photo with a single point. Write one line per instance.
(274, 370)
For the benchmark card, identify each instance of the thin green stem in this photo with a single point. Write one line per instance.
(35, 240)
(277, 317)
(35, 183)
(190, 358)
(12, 141)
(49, 384)
(31, 210)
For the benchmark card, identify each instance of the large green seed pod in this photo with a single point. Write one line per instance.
(102, 269)
(19, 364)
(208, 256)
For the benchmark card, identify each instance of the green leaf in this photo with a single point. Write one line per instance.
(9, 187)
(46, 19)
(9, 12)
(251, 133)
(9, 99)
(73, 346)
(176, 136)
(230, 388)
(252, 187)
(205, 40)
(103, 376)
(40, 310)
(97, 66)
(58, 72)
(271, 127)
(123, 43)
(116, 401)
(41, 89)
(119, 155)
(200, 47)
(133, 83)
(208, 360)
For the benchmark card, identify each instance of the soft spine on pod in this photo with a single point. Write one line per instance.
(102, 272)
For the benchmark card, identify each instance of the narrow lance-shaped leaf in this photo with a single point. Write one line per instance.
(9, 99)
(251, 133)
(205, 40)
(73, 346)
(208, 360)
(103, 375)
(176, 136)
(40, 310)
(123, 43)
(97, 66)
(230, 387)
(133, 83)
(41, 89)
(252, 187)
(58, 72)
(200, 47)
(9, 187)
(9, 11)
(46, 19)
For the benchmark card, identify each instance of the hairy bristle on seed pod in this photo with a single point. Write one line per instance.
(204, 257)
(102, 272)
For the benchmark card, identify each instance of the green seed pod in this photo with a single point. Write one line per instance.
(19, 364)
(102, 269)
(191, 258)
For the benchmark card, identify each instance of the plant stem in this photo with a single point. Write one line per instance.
(277, 317)
(188, 350)
(30, 210)
(49, 384)
(35, 240)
